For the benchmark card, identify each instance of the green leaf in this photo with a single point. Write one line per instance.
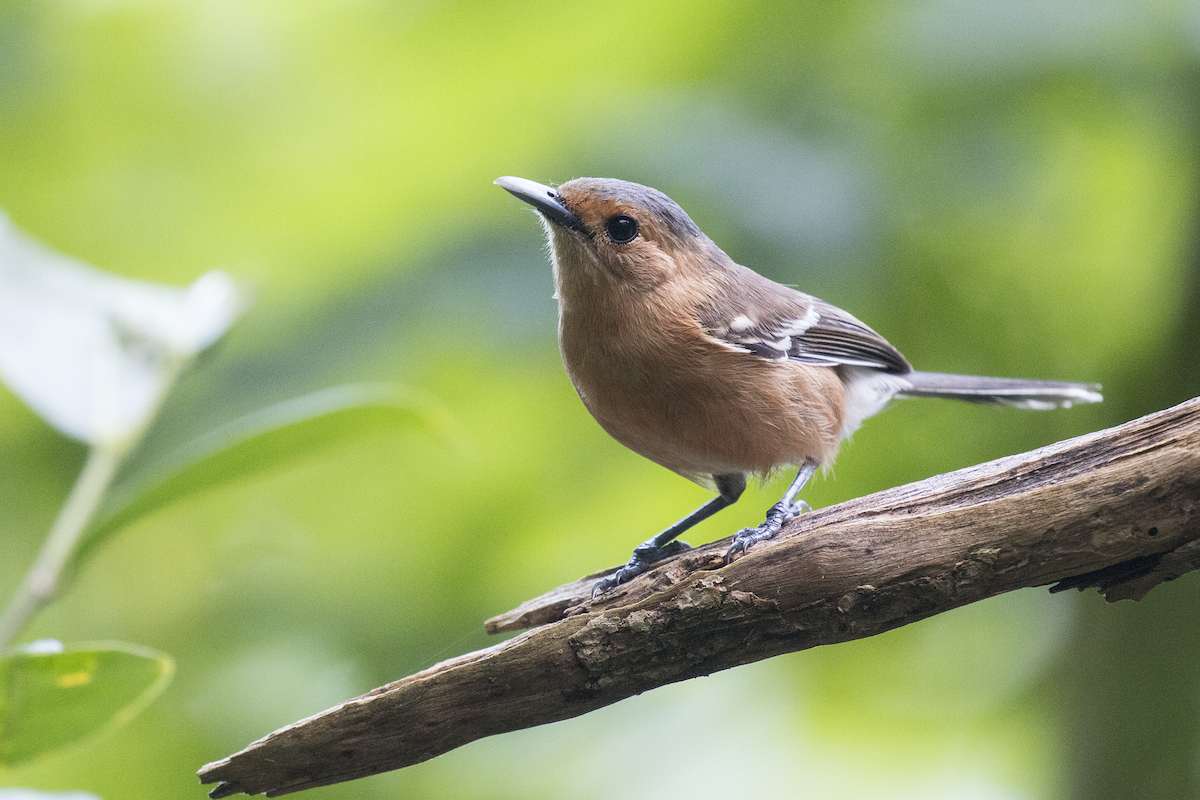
(261, 440)
(51, 699)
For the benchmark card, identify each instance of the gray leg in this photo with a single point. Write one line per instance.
(779, 513)
(663, 544)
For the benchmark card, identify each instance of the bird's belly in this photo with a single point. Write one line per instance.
(740, 415)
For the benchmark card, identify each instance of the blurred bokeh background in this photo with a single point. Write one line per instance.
(1004, 187)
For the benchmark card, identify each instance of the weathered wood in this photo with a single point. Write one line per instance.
(1118, 509)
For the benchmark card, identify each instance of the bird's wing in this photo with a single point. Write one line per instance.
(838, 338)
(787, 325)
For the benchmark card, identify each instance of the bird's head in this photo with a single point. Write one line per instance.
(608, 230)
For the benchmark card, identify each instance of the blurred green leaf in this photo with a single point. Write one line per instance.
(261, 440)
(51, 699)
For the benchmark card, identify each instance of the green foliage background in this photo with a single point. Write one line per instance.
(1005, 187)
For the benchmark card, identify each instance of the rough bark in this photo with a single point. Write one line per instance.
(1118, 510)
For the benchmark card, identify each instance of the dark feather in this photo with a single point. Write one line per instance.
(838, 338)
(778, 326)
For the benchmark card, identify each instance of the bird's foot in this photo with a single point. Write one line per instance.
(779, 514)
(644, 556)
(796, 509)
(746, 537)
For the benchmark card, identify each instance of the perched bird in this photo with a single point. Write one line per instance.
(708, 368)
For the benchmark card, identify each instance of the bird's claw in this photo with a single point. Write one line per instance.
(746, 537)
(644, 556)
(604, 584)
(779, 514)
(796, 509)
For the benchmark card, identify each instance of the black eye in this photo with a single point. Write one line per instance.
(622, 228)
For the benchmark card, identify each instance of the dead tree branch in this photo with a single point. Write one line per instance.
(1118, 510)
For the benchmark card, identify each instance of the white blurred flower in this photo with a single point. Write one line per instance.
(19, 793)
(40, 647)
(94, 353)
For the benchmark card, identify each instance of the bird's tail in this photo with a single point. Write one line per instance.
(1017, 392)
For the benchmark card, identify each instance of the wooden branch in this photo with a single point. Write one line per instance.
(1118, 510)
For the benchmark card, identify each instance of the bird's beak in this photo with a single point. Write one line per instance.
(544, 198)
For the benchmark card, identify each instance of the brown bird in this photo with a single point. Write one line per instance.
(708, 368)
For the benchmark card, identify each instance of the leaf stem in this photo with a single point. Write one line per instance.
(42, 580)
